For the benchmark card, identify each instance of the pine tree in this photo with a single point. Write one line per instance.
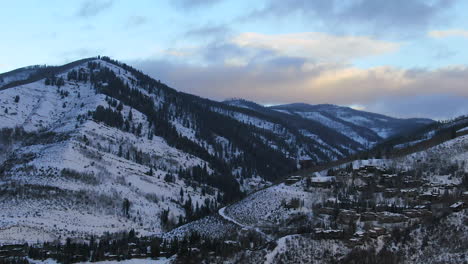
(120, 151)
(155, 249)
(126, 207)
(130, 115)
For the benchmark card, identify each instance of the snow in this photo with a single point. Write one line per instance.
(247, 119)
(280, 247)
(222, 213)
(338, 126)
(267, 205)
(41, 108)
(409, 144)
(213, 226)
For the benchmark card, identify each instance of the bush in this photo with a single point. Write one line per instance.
(88, 178)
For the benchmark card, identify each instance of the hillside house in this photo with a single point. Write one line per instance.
(293, 179)
(388, 218)
(368, 216)
(323, 181)
(347, 216)
(321, 233)
(377, 231)
(458, 206)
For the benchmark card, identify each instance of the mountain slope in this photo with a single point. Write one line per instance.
(363, 129)
(72, 174)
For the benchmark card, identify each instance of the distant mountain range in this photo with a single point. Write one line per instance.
(362, 127)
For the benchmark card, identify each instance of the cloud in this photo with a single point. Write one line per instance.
(444, 53)
(437, 106)
(192, 4)
(380, 89)
(317, 46)
(307, 47)
(448, 33)
(91, 8)
(209, 31)
(397, 17)
(308, 67)
(135, 21)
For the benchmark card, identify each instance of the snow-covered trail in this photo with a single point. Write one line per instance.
(222, 213)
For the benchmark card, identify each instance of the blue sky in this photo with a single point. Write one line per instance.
(401, 57)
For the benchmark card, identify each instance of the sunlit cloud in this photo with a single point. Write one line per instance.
(317, 46)
(339, 84)
(357, 107)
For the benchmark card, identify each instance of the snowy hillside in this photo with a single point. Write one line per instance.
(65, 174)
(363, 127)
(409, 209)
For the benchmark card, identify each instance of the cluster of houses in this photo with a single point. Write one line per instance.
(54, 251)
(12, 251)
(418, 199)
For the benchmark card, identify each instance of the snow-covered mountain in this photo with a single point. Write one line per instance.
(67, 170)
(383, 126)
(96, 146)
(365, 128)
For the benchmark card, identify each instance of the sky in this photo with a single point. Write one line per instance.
(404, 58)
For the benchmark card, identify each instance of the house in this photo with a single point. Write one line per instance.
(368, 216)
(409, 193)
(429, 196)
(355, 241)
(321, 233)
(322, 181)
(16, 250)
(389, 176)
(464, 196)
(293, 179)
(423, 206)
(417, 213)
(369, 168)
(377, 231)
(458, 206)
(347, 216)
(387, 218)
(325, 210)
(390, 192)
(411, 183)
